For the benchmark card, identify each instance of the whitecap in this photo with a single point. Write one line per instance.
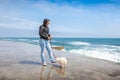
(78, 43)
(23, 39)
(36, 41)
(53, 41)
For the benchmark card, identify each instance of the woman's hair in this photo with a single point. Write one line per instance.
(45, 21)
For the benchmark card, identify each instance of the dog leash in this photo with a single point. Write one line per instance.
(52, 49)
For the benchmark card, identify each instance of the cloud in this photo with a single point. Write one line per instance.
(13, 32)
(13, 22)
(65, 18)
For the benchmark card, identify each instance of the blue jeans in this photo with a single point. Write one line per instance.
(45, 44)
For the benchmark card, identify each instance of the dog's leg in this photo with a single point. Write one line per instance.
(64, 66)
(61, 65)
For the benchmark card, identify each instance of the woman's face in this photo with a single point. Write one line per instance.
(47, 23)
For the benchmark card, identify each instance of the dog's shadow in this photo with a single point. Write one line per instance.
(30, 62)
(56, 65)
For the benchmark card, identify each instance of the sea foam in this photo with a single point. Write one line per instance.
(110, 54)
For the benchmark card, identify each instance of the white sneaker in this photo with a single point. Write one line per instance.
(44, 64)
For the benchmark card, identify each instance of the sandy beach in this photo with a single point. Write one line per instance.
(21, 61)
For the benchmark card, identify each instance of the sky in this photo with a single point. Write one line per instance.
(68, 18)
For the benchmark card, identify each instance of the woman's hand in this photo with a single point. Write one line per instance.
(50, 37)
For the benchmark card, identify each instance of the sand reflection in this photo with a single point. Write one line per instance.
(47, 73)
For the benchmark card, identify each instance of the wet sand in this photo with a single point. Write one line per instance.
(21, 61)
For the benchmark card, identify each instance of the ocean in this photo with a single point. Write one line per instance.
(103, 48)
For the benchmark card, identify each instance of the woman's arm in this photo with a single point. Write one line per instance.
(42, 33)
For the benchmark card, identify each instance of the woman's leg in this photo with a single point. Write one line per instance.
(42, 45)
(49, 50)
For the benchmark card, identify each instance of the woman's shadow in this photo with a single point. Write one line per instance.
(53, 67)
(30, 62)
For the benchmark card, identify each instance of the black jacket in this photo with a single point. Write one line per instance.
(44, 32)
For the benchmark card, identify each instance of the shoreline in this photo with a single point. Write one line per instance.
(62, 50)
(20, 60)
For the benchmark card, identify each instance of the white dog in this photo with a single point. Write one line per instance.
(62, 61)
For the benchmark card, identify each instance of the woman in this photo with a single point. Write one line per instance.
(44, 41)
